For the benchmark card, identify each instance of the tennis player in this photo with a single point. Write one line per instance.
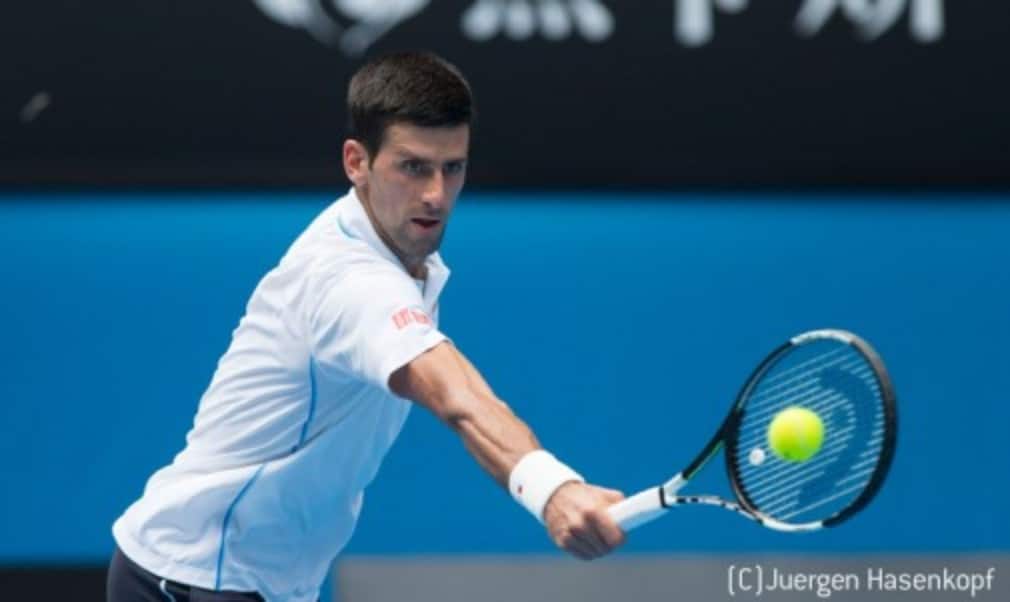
(336, 343)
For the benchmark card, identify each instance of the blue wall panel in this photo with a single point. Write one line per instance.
(620, 328)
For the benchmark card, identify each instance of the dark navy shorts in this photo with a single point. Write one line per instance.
(128, 582)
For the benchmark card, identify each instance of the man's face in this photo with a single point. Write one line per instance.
(411, 186)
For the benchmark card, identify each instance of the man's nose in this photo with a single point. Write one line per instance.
(435, 192)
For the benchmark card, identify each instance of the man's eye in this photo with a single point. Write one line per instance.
(413, 167)
(454, 168)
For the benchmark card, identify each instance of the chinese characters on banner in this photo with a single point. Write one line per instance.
(694, 19)
(873, 18)
(363, 22)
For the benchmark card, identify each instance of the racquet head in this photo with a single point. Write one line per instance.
(840, 377)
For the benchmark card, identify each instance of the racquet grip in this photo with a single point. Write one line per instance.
(638, 509)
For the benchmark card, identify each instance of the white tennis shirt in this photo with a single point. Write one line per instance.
(296, 420)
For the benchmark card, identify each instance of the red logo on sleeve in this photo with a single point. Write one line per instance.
(406, 316)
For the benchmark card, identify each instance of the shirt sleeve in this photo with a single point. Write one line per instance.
(371, 324)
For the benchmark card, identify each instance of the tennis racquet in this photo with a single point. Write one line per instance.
(831, 372)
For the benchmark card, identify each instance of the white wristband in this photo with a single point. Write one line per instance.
(535, 479)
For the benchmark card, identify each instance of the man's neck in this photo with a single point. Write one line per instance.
(414, 266)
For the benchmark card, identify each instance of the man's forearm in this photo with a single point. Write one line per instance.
(444, 382)
(492, 433)
(448, 385)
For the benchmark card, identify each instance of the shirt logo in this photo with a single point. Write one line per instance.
(406, 316)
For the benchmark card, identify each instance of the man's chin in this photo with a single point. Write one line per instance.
(420, 251)
(430, 245)
(429, 249)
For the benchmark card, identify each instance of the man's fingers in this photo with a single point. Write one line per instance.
(591, 539)
(577, 548)
(608, 531)
(579, 520)
(612, 496)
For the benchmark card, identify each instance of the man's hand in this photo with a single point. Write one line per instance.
(577, 520)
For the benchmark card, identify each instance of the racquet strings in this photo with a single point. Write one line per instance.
(835, 380)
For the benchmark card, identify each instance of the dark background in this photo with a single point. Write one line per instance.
(216, 93)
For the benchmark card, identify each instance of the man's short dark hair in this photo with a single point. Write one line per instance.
(418, 88)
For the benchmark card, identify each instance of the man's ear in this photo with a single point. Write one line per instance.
(356, 162)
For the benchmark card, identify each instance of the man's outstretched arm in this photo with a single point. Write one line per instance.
(575, 514)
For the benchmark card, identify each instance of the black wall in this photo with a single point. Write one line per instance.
(218, 93)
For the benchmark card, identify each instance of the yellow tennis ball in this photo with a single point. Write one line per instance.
(796, 434)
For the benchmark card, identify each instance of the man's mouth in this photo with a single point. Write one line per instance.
(427, 224)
